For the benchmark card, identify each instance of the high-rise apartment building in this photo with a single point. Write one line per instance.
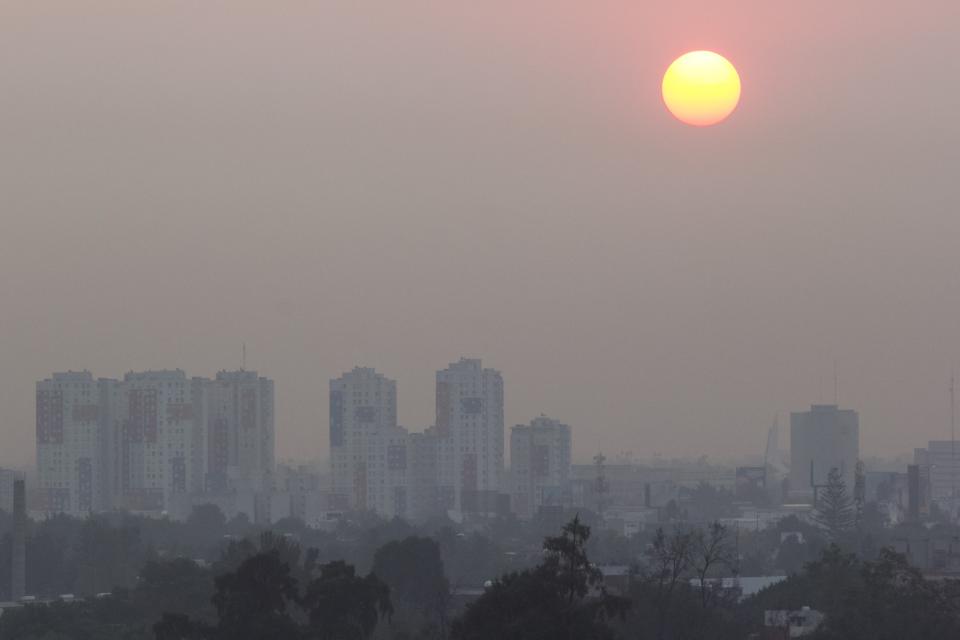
(821, 439)
(367, 448)
(153, 441)
(158, 424)
(469, 429)
(240, 433)
(540, 465)
(72, 443)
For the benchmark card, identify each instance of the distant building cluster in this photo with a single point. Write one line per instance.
(454, 467)
(160, 442)
(155, 441)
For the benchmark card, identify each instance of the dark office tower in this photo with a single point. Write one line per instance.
(18, 566)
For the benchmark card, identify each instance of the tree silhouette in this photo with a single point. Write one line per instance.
(344, 606)
(835, 512)
(254, 602)
(562, 598)
(413, 569)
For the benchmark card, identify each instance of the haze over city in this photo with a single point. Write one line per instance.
(400, 185)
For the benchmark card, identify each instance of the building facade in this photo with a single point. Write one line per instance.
(240, 434)
(939, 474)
(823, 438)
(540, 465)
(143, 443)
(469, 428)
(72, 443)
(7, 476)
(158, 423)
(364, 437)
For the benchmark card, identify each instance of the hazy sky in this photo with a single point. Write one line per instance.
(397, 184)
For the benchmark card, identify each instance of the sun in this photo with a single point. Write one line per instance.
(701, 88)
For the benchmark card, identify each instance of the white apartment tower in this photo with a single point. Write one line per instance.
(240, 433)
(367, 448)
(158, 425)
(152, 441)
(540, 465)
(469, 429)
(72, 444)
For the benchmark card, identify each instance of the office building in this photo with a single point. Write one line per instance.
(939, 474)
(540, 465)
(7, 476)
(823, 438)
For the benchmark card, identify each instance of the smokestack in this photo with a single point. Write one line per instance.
(18, 587)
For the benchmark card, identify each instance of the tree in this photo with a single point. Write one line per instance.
(563, 597)
(177, 586)
(344, 606)
(669, 560)
(253, 603)
(413, 569)
(177, 626)
(711, 551)
(835, 512)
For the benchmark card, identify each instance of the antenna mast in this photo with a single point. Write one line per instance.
(243, 357)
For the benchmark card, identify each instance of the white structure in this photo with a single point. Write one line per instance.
(72, 444)
(821, 439)
(940, 474)
(367, 448)
(540, 465)
(469, 429)
(158, 422)
(240, 433)
(155, 441)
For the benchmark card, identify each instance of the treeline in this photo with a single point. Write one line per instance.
(270, 589)
(68, 555)
(95, 555)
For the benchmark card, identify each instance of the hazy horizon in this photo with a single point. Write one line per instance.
(398, 186)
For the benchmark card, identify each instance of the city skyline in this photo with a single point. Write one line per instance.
(582, 453)
(394, 186)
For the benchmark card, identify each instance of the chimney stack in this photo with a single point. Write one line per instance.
(19, 561)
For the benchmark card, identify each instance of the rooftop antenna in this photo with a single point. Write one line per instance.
(243, 357)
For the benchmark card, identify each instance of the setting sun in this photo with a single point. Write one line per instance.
(701, 88)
